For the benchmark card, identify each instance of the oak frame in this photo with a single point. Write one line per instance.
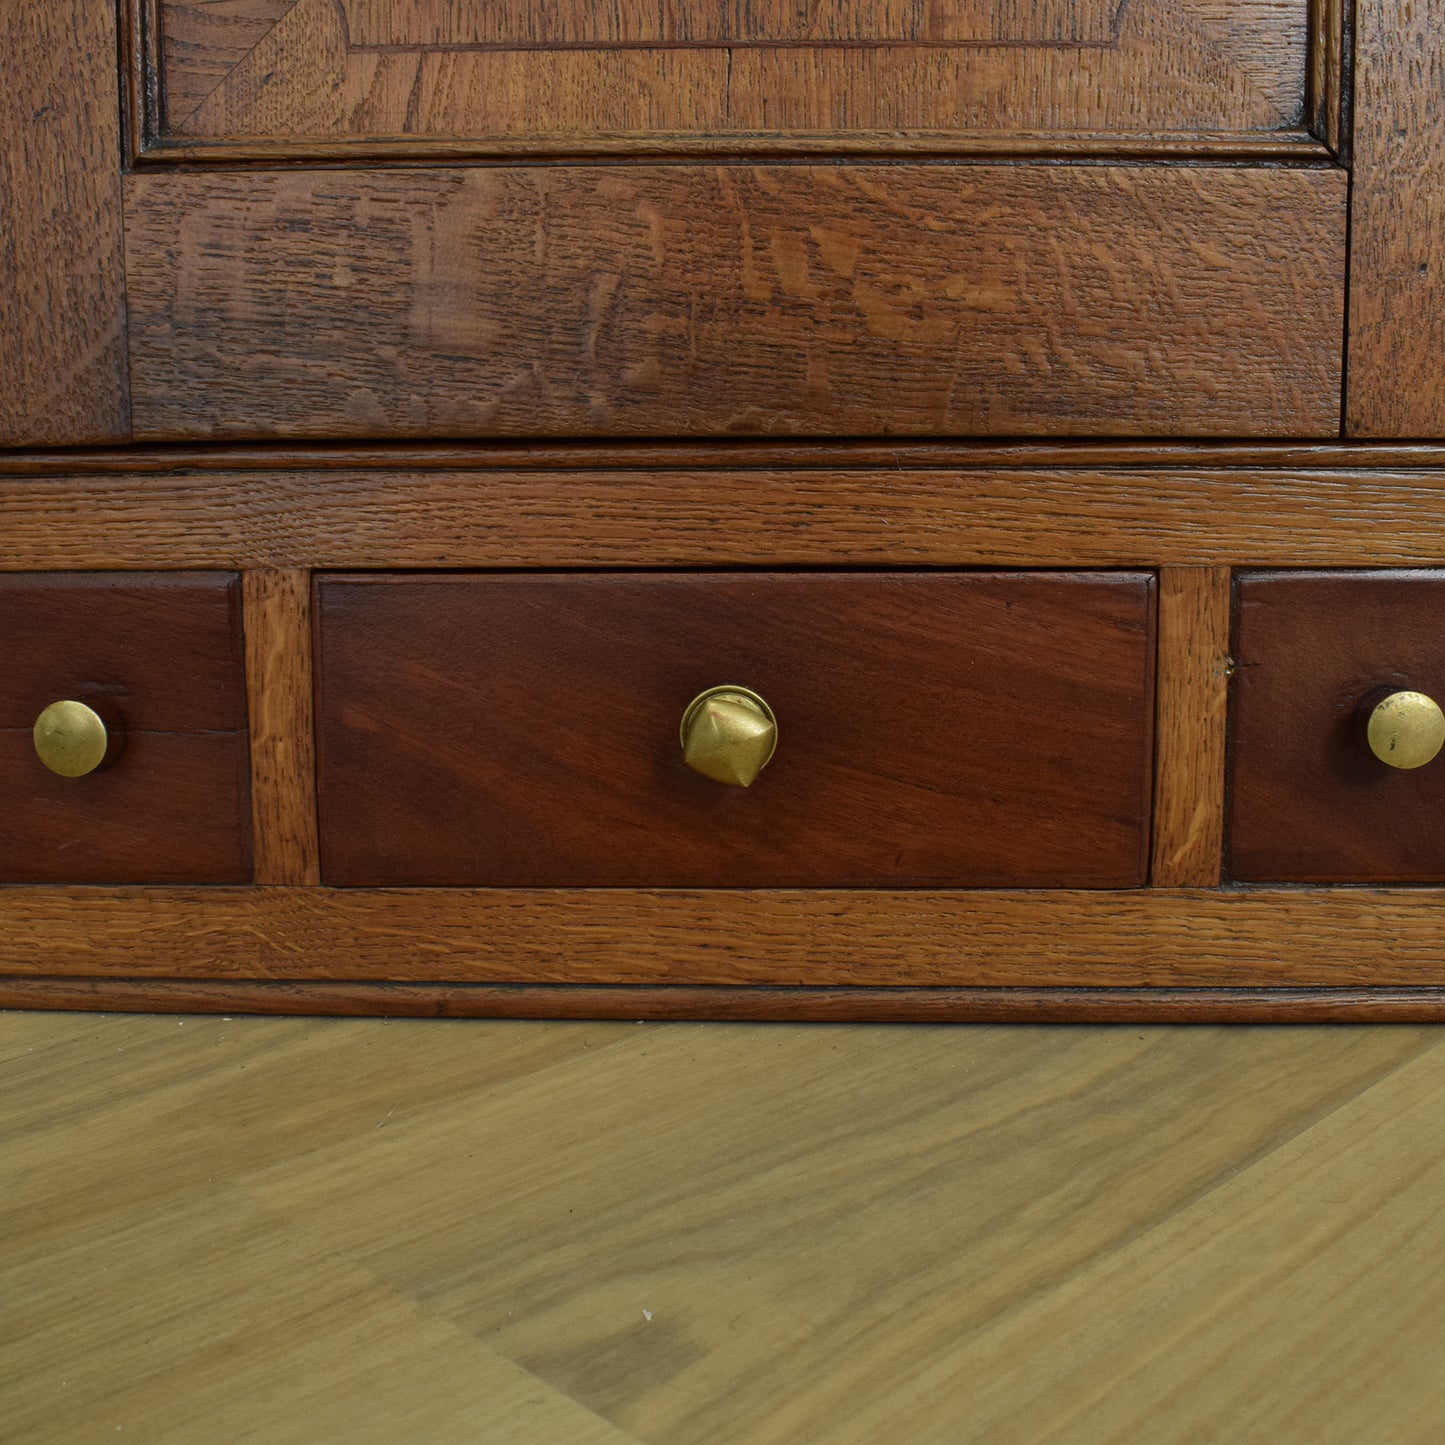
(63, 315)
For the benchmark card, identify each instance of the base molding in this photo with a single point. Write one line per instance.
(1162, 955)
(749, 1003)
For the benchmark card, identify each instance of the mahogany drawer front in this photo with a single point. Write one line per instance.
(711, 300)
(1315, 652)
(940, 729)
(159, 658)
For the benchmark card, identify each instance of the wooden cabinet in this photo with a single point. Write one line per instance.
(982, 384)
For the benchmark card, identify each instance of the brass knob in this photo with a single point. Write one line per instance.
(729, 734)
(71, 739)
(1406, 729)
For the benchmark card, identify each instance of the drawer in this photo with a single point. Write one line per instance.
(939, 729)
(158, 660)
(1317, 654)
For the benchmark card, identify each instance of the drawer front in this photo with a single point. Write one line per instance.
(933, 729)
(1317, 653)
(720, 300)
(158, 659)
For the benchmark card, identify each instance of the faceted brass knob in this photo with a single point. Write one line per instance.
(71, 739)
(1406, 729)
(729, 734)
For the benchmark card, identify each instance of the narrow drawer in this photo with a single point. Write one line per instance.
(943, 729)
(156, 661)
(1318, 653)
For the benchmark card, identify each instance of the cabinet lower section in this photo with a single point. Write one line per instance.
(1191, 641)
(1136, 955)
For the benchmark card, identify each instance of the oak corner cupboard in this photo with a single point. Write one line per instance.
(876, 511)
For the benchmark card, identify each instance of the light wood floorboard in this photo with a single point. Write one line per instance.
(311, 1230)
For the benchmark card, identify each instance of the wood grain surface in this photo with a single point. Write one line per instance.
(1290, 146)
(934, 730)
(159, 656)
(1190, 737)
(1135, 938)
(826, 23)
(172, 809)
(1330, 73)
(903, 513)
(302, 1230)
(651, 74)
(163, 649)
(734, 453)
(703, 300)
(62, 296)
(1397, 260)
(202, 43)
(1310, 802)
(283, 745)
(741, 1003)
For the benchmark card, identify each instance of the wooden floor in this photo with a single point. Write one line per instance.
(218, 1230)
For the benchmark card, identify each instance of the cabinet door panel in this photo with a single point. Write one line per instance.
(1397, 264)
(643, 72)
(707, 300)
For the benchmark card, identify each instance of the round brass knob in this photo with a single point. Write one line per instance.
(1406, 729)
(71, 739)
(729, 734)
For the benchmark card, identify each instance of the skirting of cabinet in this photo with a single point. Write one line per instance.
(752, 1004)
(279, 948)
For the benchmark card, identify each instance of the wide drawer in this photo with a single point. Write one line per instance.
(708, 300)
(156, 661)
(932, 728)
(1319, 655)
